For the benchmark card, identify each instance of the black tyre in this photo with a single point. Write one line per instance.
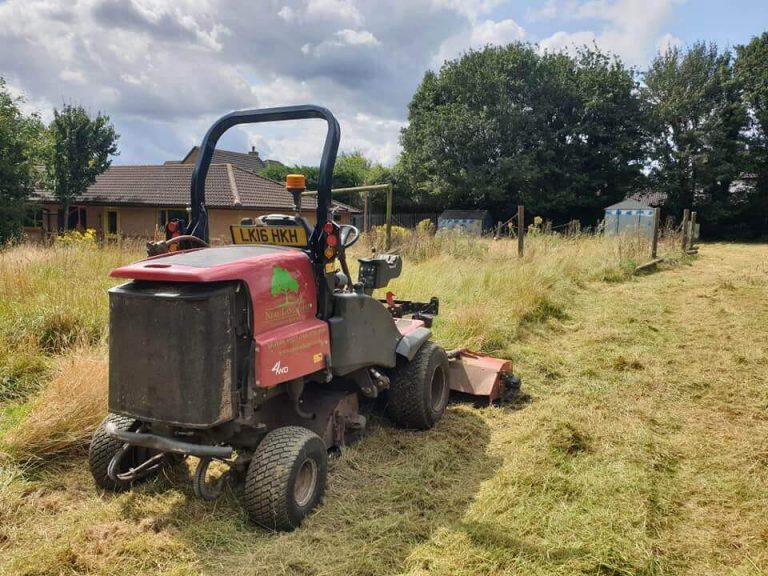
(286, 478)
(103, 448)
(419, 389)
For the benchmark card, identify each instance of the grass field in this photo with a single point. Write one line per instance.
(640, 448)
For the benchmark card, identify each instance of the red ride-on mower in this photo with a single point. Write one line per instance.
(256, 354)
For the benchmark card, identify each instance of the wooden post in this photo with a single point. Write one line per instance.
(365, 213)
(520, 230)
(686, 216)
(655, 239)
(498, 230)
(692, 227)
(389, 217)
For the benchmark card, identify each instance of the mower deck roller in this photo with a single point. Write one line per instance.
(256, 355)
(477, 374)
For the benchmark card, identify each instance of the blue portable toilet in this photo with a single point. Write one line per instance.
(471, 222)
(629, 217)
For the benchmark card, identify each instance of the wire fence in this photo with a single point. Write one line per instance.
(405, 220)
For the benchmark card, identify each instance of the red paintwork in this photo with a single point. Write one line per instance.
(478, 374)
(285, 328)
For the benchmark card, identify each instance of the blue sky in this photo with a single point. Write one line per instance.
(164, 70)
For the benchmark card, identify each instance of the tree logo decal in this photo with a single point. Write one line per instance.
(283, 284)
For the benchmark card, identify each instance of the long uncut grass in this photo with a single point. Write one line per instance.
(53, 313)
(488, 294)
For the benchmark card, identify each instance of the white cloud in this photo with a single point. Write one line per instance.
(287, 13)
(472, 9)
(548, 11)
(336, 10)
(342, 38)
(629, 28)
(668, 41)
(479, 35)
(568, 41)
(357, 37)
(73, 76)
(490, 32)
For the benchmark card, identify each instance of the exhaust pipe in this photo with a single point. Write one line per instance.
(155, 442)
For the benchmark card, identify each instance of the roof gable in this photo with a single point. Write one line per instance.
(628, 204)
(245, 160)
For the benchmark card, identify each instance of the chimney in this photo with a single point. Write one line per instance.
(253, 152)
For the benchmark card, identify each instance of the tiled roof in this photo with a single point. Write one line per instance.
(168, 185)
(246, 160)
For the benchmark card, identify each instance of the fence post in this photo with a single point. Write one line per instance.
(686, 216)
(692, 226)
(655, 239)
(366, 221)
(389, 218)
(520, 230)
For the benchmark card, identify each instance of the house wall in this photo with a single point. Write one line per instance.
(141, 221)
(132, 221)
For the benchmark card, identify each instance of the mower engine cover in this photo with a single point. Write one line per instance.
(182, 331)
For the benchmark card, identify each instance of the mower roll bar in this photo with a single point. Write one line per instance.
(199, 224)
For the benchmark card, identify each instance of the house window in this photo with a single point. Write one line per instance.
(112, 221)
(33, 217)
(77, 218)
(165, 216)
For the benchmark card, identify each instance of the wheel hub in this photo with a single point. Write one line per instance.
(438, 388)
(306, 482)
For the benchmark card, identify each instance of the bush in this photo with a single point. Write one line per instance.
(76, 237)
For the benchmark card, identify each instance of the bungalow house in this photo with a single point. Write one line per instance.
(138, 201)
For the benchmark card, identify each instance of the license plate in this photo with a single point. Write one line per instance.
(275, 235)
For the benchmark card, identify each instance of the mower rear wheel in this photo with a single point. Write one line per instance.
(103, 448)
(419, 390)
(286, 478)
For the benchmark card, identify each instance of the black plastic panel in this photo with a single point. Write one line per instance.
(174, 351)
(363, 333)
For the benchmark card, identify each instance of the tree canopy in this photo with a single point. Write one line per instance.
(80, 149)
(20, 143)
(509, 125)
(697, 118)
(751, 71)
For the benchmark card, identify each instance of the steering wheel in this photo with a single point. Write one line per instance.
(344, 231)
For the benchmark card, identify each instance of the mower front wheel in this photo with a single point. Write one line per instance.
(286, 478)
(103, 448)
(419, 390)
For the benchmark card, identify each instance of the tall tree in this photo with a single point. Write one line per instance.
(20, 138)
(698, 119)
(80, 149)
(751, 69)
(507, 124)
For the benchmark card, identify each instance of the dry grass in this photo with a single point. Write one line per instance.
(641, 451)
(61, 419)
